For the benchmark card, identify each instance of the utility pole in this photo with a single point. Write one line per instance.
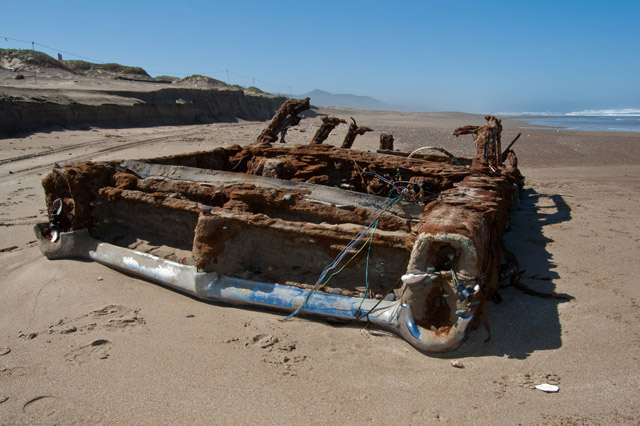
(35, 71)
(228, 81)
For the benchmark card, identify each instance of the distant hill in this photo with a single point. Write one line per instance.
(18, 60)
(325, 99)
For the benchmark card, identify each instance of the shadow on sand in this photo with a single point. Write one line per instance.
(522, 323)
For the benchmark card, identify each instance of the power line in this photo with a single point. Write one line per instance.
(72, 54)
(253, 79)
(173, 73)
(53, 49)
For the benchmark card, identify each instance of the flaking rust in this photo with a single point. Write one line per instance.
(415, 239)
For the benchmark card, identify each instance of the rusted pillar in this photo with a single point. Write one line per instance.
(323, 132)
(487, 139)
(353, 131)
(386, 142)
(290, 108)
(292, 120)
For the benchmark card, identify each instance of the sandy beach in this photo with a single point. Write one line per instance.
(84, 344)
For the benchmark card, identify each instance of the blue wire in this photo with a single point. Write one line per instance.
(366, 228)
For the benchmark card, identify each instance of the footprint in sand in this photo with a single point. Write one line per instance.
(96, 350)
(12, 371)
(278, 352)
(264, 340)
(42, 407)
(113, 317)
(117, 316)
(531, 379)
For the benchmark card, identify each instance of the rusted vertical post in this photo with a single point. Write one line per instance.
(353, 131)
(493, 131)
(386, 142)
(292, 120)
(291, 107)
(323, 132)
(487, 139)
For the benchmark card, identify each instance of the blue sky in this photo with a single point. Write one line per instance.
(474, 56)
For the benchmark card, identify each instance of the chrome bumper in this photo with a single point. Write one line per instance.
(391, 315)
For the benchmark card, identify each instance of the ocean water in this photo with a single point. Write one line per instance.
(613, 120)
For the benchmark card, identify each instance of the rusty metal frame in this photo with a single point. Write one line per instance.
(440, 238)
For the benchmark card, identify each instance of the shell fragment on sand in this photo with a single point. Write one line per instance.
(546, 387)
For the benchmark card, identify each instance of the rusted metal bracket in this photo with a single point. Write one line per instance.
(286, 116)
(353, 131)
(325, 129)
(487, 139)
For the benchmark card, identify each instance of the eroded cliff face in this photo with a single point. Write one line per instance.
(30, 110)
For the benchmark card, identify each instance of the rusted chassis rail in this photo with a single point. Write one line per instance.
(256, 225)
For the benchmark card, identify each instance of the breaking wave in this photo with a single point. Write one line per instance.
(623, 112)
(627, 112)
(601, 120)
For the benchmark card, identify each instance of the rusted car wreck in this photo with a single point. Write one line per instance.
(409, 243)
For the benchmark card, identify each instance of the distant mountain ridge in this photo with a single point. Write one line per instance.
(326, 99)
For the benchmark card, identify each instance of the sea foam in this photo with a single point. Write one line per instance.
(622, 112)
(600, 120)
(626, 112)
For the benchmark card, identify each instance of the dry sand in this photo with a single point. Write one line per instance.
(90, 345)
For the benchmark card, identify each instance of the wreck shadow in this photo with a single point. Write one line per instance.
(522, 323)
